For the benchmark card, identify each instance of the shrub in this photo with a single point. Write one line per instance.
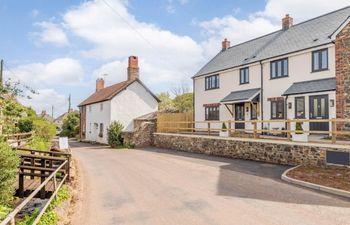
(70, 127)
(223, 128)
(298, 128)
(9, 162)
(25, 125)
(44, 129)
(39, 143)
(114, 134)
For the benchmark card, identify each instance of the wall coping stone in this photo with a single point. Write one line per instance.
(282, 142)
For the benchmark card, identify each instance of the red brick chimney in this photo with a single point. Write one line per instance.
(287, 22)
(133, 68)
(225, 44)
(100, 84)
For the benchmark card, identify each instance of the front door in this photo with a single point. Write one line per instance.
(239, 115)
(319, 110)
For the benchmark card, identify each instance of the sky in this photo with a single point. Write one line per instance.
(61, 47)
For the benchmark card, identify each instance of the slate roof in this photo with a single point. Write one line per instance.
(109, 92)
(308, 34)
(328, 84)
(242, 96)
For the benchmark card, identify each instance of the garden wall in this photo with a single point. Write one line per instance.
(270, 151)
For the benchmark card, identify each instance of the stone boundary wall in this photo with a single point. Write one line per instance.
(142, 136)
(269, 151)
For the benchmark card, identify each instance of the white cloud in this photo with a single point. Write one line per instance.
(44, 101)
(61, 71)
(233, 29)
(300, 9)
(50, 33)
(116, 34)
(34, 13)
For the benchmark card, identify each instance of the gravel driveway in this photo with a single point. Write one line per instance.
(163, 187)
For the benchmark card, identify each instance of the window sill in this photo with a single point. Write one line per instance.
(211, 89)
(316, 71)
(243, 83)
(274, 78)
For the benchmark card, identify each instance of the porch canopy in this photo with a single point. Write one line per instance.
(328, 84)
(250, 95)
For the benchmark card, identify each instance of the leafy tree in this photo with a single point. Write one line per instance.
(114, 134)
(166, 101)
(44, 129)
(184, 102)
(70, 127)
(9, 162)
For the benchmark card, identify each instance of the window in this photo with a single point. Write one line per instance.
(244, 76)
(212, 113)
(101, 106)
(212, 82)
(254, 111)
(101, 130)
(279, 68)
(320, 60)
(277, 109)
(300, 108)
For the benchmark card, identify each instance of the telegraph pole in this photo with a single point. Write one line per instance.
(1, 71)
(69, 103)
(52, 111)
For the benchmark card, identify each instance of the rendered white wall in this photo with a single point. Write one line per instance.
(96, 115)
(131, 103)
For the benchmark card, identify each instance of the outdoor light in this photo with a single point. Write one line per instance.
(332, 102)
(289, 105)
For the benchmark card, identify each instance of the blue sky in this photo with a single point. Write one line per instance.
(61, 47)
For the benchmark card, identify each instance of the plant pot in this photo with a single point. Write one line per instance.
(300, 137)
(223, 133)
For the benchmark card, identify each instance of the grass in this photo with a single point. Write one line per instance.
(50, 217)
(4, 210)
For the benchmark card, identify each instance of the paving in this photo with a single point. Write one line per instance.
(158, 186)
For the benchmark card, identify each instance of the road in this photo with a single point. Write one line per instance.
(154, 186)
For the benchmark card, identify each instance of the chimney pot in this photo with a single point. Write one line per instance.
(133, 68)
(225, 44)
(287, 22)
(100, 84)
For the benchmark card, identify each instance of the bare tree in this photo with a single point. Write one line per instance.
(180, 89)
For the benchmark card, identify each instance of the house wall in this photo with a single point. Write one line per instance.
(229, 81)
(131, 103)
(299, 69)
(94, 117)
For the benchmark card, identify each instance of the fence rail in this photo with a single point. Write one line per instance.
(214, 127)
(18, 138)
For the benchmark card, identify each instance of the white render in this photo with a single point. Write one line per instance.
(127, 105)
(299, 69)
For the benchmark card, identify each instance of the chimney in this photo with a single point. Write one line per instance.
(100, 84)
(287, 22)
(133, 68)
(225, 44)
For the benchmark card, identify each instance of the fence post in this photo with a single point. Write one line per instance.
(42, 179)
(208, 128)
(229, 128)
(21, 184)
(334, 130)
(255, 128)
(288, 130)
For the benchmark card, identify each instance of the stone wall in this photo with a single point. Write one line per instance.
(258, 150)
(342, 55)
(142, 135)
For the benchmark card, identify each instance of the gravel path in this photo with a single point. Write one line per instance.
(154, 186)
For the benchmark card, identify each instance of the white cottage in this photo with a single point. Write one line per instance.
(121, 102)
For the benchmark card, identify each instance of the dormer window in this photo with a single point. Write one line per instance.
(320, 60)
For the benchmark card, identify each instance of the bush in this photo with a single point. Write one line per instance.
(39, 143)
(223, 128)
(114, 134)
(9, 162)
(298, 128)
(70, 127)
(25, 125)
(44, 129)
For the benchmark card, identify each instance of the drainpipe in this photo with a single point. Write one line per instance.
(261, 94)
(193, 104)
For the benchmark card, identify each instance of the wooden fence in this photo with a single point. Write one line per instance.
(167, 122)
(214, 127)
(18, 139)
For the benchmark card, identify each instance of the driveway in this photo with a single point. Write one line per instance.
(155, 186)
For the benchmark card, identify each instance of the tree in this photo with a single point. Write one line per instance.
(71, 125)
(165, 101)
(184, 102)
